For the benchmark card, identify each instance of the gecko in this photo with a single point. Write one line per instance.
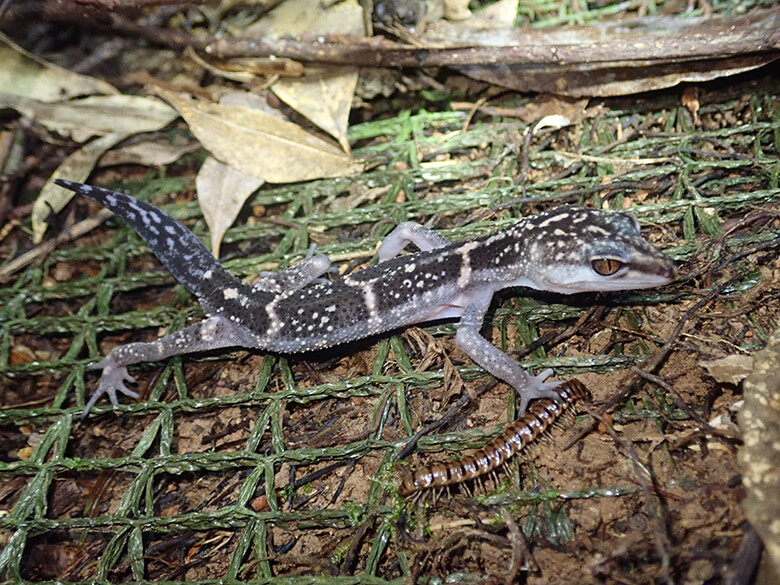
(565, 250)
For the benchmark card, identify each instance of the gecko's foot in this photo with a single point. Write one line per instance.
(112, 380)
(536, 387)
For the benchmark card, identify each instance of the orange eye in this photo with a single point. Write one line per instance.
(606, 266)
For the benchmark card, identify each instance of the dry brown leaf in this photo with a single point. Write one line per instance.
(462, 22)
(25, 75)
(97, 115)
(149, 154)
(323, 95)
(261, 145)
(731, 369)
(304, 17)
(76, 167)
(222, 192)
(457, 9)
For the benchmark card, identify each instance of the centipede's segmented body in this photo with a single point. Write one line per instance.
(539, 417)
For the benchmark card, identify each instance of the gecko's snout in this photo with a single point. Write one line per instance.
(669, 271)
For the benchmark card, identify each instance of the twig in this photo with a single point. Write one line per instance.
(753, 34)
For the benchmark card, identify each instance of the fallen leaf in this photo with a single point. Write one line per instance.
(76, 167)
(324, 95)
(96, 115)
(731, 369)
(25, 75)
(147, 153)
(457, 9)
(222, 192)
(259, 144)
(303, 17)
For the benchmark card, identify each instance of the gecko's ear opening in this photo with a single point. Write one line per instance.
(607, 266)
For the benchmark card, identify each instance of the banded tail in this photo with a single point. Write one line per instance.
(179, 250)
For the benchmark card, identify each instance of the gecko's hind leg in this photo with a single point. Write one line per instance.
(216, 332)
(406, 233)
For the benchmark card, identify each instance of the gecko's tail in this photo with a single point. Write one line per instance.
(179, 250)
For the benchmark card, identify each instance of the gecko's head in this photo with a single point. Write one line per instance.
(585, 250)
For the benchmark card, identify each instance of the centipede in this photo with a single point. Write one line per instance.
(541, 415)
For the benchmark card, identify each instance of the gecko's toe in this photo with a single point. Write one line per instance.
(112, 380)
(538, 388)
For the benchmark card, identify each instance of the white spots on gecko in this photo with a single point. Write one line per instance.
(145, 219)
(230, 293)
(555, 218)
(497, 237)
(207, 330)
(594, 229)
(275, 324)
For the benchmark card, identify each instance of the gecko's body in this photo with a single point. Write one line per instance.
(567, 250)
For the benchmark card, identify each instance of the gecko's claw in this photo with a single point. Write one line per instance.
(536, 387)
(112, 380)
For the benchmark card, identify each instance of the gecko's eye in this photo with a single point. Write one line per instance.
(607, 266)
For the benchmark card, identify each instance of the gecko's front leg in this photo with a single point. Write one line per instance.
(296, 277)
(216, 332)
(495, 361)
